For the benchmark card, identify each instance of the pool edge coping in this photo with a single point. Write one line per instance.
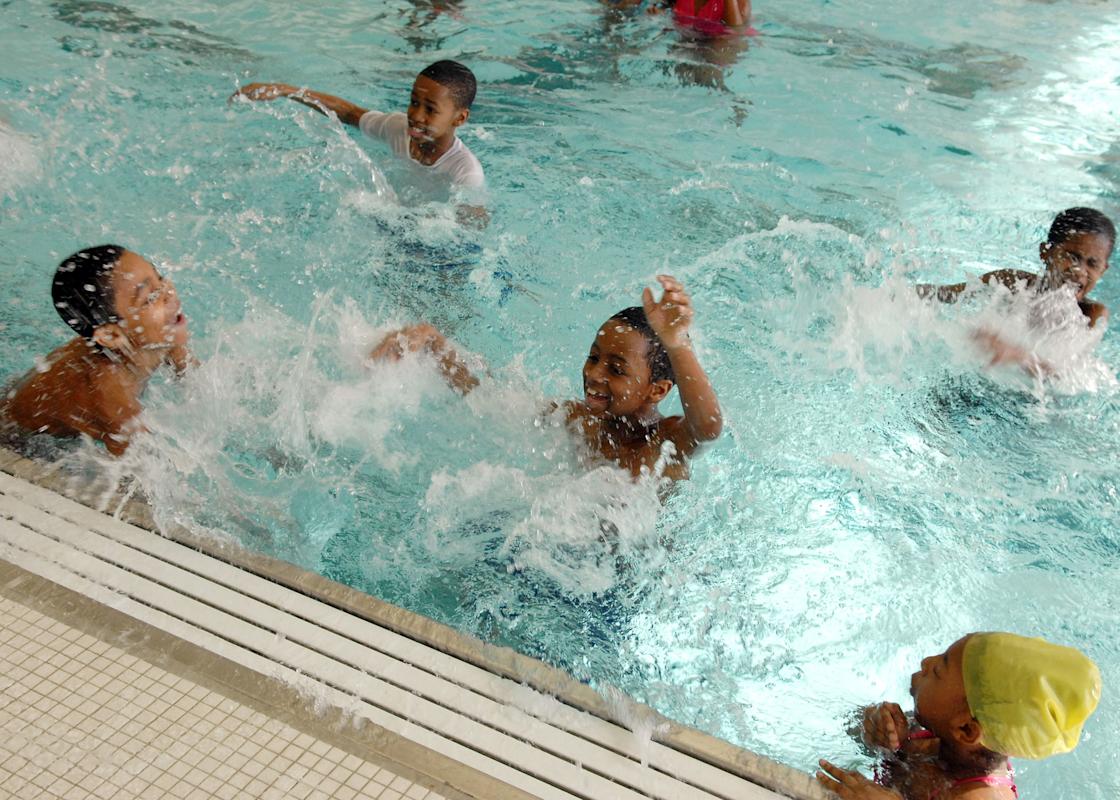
(503, 661)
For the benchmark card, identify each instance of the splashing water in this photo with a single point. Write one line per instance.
(879, 489)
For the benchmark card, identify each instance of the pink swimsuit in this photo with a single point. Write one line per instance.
(708, 19)
(989, 780)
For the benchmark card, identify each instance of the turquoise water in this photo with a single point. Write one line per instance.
(877, 493)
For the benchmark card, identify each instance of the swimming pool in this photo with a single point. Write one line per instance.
(876, 494)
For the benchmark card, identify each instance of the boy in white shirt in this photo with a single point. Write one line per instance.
(424, 135)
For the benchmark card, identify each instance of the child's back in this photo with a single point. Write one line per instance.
(129, 322)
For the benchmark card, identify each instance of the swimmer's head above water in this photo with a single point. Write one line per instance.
(114, 298)
(1076, 251)
(627, 367)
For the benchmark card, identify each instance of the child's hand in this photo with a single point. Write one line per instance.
(850, 785)
(672, 314)
(1003, 352)
(885, 726)
(263, 91)
(410, 339)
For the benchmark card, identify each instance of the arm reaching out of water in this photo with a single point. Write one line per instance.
(670, 317)
(424, 337)
(1013, 279)
(346, 111)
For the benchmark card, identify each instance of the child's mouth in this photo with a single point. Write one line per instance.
(419, 134)
(595, 401)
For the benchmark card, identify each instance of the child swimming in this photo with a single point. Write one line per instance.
(1074, 255)
(425, 135)
(638, 355)
(988, 697)
(1074, 258)
(129, 323)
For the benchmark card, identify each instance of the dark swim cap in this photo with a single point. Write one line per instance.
(81, 290)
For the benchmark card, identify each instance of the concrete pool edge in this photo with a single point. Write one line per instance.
(500, 661)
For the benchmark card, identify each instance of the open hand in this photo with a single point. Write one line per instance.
(885, 726)
(263, 91)
(670, 316)
(850, 785)
(410, 339)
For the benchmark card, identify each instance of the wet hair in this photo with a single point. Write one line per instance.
(656, 355)
(82, 289)
(1073, 221)
(458, 79)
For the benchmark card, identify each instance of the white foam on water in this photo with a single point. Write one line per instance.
(19, 160)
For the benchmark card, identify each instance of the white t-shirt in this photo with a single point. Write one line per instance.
(457, 166)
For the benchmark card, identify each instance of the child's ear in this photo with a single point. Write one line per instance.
(110, 336)
(461, 116)
(1043, 251)
(659, 390)
(970, 732)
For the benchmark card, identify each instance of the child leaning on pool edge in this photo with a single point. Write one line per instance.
(988, 697)
(638, 355)
(425, 135)
(129, 323)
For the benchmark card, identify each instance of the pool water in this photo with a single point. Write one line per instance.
(878, 491)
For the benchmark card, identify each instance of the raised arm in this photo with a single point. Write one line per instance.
(425, 337)
(1013, 279)
(346, 111)
(670, 319)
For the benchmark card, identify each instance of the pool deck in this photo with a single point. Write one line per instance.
(136, 664)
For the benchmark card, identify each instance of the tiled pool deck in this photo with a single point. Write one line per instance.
(135, 665)
(81, 717)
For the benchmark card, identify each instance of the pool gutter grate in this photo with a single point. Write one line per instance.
(426, 695)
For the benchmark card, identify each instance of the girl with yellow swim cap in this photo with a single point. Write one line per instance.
(988, 697)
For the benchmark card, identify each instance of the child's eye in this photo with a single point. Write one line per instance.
(617, 370)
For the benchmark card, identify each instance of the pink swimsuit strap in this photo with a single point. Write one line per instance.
(990, 780)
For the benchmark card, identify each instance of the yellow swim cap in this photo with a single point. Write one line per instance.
(1030, 696)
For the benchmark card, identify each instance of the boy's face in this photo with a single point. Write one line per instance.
(940, 703)
(433, 113)
(1078, 262)
(616, 374)
(147, 305)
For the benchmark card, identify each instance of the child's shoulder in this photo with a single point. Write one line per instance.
(1013, 279)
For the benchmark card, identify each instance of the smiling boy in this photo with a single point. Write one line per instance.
(425, 135)
(129, 323)
(635, 360)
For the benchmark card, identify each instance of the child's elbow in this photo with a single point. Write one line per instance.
(710, 429)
